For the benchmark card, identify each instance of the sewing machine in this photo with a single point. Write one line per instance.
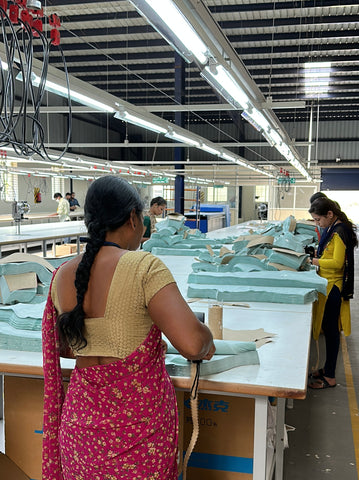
(19, 209)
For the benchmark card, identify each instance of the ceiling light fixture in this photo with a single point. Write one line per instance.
(222, 81)
(169, 21)
(139, 121)
(76, 96)
(182, 138)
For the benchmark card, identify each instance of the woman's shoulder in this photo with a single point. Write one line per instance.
(146, 261)
(68, 268)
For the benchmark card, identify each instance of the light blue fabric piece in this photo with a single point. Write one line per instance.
(287, 222)
(164, 231)
(175, 251)
(24, 295)
(240, 245)
(152, 243)
(23, 316)
(176, 365)
(289, 241)
(239, 293)
(223, 347)
(168, 222)
(284, 278)
(15, 339)
(42, 272)
(248, 264)
(289, 260)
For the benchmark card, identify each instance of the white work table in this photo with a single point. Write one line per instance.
(43, 233)
(48, 217)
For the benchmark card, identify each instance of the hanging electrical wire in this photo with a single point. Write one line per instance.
(21, 101)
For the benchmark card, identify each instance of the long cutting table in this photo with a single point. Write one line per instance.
(43, 233)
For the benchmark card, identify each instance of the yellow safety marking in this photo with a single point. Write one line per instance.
(353, 404)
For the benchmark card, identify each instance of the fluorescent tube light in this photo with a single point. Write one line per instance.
(269, 139)
(222, 81)
(140, 122)
(170, 22)
(242, 164)
(257, 119)
(182, 138)
(228, 157)
(209, 149)
(277, 139)
(77, 97)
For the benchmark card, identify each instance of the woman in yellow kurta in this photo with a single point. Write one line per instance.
(335, 259)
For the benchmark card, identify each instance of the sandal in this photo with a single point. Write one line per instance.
(320, 384)
(317, 374)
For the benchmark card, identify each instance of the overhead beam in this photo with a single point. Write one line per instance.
(219, 107)
(166, 145)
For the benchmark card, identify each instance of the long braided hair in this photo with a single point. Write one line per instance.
(108, 205)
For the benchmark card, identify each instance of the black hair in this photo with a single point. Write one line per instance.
(68, 193)
(317, 195)
(57, 195)
(108, 205)
(159, 200)
(322, 205)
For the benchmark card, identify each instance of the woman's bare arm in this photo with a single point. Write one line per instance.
(171, 313)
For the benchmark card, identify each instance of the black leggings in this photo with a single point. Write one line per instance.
(331, 330)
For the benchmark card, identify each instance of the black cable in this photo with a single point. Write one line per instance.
(15, 127)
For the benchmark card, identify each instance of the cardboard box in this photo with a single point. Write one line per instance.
(65, 249)
(9, 471)
(23, 412)
(224, 449)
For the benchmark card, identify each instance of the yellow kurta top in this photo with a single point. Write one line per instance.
(126, 323)
(331, 267)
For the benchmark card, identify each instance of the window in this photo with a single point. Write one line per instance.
(217, 194)
(262, 193)
(58, 185)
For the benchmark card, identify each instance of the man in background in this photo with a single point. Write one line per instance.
(73, 202)
(63, 208)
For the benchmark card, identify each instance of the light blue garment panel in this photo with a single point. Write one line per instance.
(289, 260)
(240, 293)
(14, 339)
(290, 242)
(176, 365)
(223, 347)
(42, 272)
(283, 278)
(23, 316)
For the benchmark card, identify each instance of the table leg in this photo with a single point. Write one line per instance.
(78, 244)
(260, 438)
(279, 439)
(44, 247)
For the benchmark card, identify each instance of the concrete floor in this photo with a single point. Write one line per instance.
(325, 443)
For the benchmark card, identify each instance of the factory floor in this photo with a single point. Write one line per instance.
(325, 442)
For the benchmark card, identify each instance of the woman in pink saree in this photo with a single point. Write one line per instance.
(118, 419)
